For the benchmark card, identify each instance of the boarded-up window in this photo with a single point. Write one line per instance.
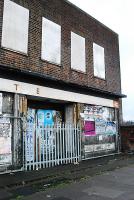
(15, 27)
(51, 41)
(78, 52)
(99, 61)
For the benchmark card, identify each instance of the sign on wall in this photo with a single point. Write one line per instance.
(99, 147)
(89, 128)
(98, 120)
(30, 135)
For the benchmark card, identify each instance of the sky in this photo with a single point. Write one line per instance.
(118, 15)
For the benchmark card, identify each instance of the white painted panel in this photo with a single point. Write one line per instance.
(15, 27)
(51, 93)
(99, 61)
(99, 147)
(78, 58)
(51, 41)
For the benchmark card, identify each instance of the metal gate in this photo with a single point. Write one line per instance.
(51, 146)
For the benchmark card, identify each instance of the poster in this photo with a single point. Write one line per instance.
(30, 131)
(0, 103)
(111, 128)
(45, 119)
(5, 140)
(100, 126)
(89, 128)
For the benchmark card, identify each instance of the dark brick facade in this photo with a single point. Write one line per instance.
(71, 19)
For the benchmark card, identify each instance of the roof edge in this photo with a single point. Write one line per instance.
(61, 83)
(93, 18)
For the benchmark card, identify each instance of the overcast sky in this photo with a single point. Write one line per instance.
(118, 15)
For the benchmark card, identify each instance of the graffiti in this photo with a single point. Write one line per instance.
(0, 103)
(5, 130)
(111, 128)
(91, 113)
(5, 140)
(94, 110)
(100, 126)
(29, 134)
(101, 116)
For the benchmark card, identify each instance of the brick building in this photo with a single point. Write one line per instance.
(57, 65)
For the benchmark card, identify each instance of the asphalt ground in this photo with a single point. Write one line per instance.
(72, 181)
(114, 185)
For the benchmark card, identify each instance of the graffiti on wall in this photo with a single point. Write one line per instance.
(5, 140)
(30, 134)
(97, 120)
(0, 103)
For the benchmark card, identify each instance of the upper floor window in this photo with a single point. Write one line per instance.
(78, 60)
(99, 61)
(15, 27)
(51, 41)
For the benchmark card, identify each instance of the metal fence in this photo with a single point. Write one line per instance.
(51, 146)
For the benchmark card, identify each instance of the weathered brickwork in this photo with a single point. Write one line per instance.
(71, 19)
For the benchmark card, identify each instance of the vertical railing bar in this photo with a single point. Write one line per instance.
(43, 148)
(63, 133)
(26, 150)
(33, 146)
(69, 142)
(24, 155)
(66, 142)
(55, 139)
(36, 149)
(75, 140)
(52, 132)
(49, 147)
(78, 141)
(29, 146)
(60, 144)
(40, 146)
(46, 132)
(80, 138)
(74, 132)
(71, 130)
(23, 133)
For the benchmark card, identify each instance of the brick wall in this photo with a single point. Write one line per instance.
(71, 19)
